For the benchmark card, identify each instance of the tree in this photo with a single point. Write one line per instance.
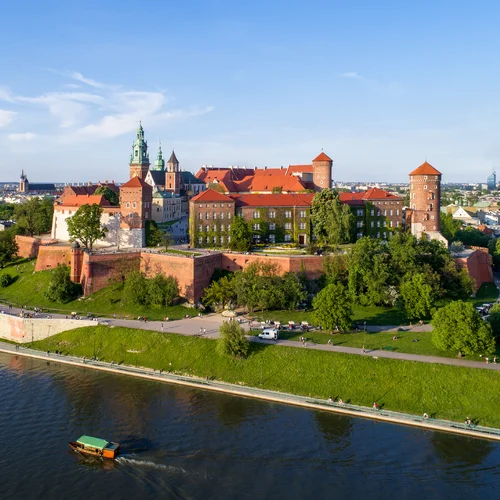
(8, 247)
(85, 226)
(135, 290)
(494, 250)
(61, 288)
(167, 239)
(449, 226)
(162, 290)
(471, 236)
(332, 220)
(456, 247)
(459, 327)
(494, 319)
(6, 280)
(109, 194)
(332, 308)
(241, 235)
(220, 293)
(34, 216)
(232, 341)
(293, 291)
(6, 211)
(154, 235)
(417, 295)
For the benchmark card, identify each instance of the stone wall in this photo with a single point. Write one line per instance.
(50, 256)
(28, 246)
(24, 330)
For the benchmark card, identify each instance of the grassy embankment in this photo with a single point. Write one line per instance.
(29, 287)
(442, 391)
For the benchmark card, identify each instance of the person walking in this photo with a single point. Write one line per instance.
(162, 327)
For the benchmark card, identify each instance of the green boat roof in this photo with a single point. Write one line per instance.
(93, 442)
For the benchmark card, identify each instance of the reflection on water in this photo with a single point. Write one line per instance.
(186, 443)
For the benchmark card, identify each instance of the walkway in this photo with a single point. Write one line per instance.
(207, 326)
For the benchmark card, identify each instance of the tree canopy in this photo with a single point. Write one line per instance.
(34, 216)
(241, 235)
(332, 308)
(61, 288)
(232, 341)
(459, 327)
(85, 226)
(332, 220)
(8, 247)
(109, 194)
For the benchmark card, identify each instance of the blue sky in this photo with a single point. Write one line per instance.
(380, 86)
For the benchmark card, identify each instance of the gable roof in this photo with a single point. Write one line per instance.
(158, 177)
(425, 169)
(372, 194)
(190, 178)
(274, 200)
(322, 157)
(210, 195)
(136, 182)
(83, 199)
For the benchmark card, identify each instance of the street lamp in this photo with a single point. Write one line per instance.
(94, 345)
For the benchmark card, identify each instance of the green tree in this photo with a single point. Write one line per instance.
(241, 235)
(220, 293)
(34, 216)
(459, 327)
(232, 341)
(471, 236)
(154, 235)
(162, 290)
(494, 319)
(293, 291)
(332, 220)
(61, 288)
(449, 226)
(7, 211)
(168, 240)
(494, 250)
(332, 308)
(109, 194)
(135, 289)
(335, 268)
(85, 226)
(6, 280)
(8, 247)
(417, 295)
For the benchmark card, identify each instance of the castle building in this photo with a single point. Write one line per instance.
(139, 159)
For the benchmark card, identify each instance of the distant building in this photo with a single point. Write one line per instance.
(35, 188)
(491, 182)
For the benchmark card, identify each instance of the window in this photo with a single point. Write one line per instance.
(302, 225)
(229, 239)
(359, 223)
(272, 214)
(214, 228)
(229, 229)
(372, 212)
(222, 240)
(390, 223)
(272, 238)
(413, 195)
(200, 205)
(229, 215)
(378, 235)
(397, 211)
(372, 224)
(131, 215)
(397, 223)
(303, 213)
(425, 177)
(157, 209)
(288, 225)
(134, 204)
(200, 216)
(385, 223)
(384, 234)
(425, 187)
(256, 227)
(432, 217)
(207, 228)
(207, 216)
(215, 215)
(359, 212)
(215, 205)
(272, 226)
(200, 228)
(221, 215)
(288, 237)
(128, 205)
(288, 214)
(222, 227)
(378, 223)
(378, 212)
(215, 240)
(208, 239)
(256, 214)
(390, 213)
(385, 212)
(200, 240)
(146, 216)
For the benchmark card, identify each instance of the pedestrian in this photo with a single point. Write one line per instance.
(495, 360)
(375, 405)
(204, 331)
(201, 330)
(487, 360)
(468, 421)
(162, 327)
(341, 402)
(425, 416)
(364, 350)
(329, 341)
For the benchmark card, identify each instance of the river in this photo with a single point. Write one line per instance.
(187, 443)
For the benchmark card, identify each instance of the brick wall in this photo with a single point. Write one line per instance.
(50, 256)
(478, 265)
(28, 246)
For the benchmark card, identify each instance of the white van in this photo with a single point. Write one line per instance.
(269, 334)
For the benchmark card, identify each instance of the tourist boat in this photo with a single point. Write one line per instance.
(95, 446)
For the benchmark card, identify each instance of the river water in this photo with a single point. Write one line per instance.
(187, 443)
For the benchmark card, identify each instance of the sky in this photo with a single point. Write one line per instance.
(379, 86)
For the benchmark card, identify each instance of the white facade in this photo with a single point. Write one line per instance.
(165, 209)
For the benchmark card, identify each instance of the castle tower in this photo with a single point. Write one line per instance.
(425, 200)
(159, 162)
(173, 175)
(139, 159)
(23, 183)
(322, 172)
(136, 198)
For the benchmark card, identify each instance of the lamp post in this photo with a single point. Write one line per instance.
(94, 345)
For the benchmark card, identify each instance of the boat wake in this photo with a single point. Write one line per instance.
(149, 463)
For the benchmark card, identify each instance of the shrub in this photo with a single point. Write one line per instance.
(6, 280)
(61, 288)
(232, 341)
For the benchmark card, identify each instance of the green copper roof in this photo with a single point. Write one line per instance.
(140, 154)
(160, 162)
(93, 442)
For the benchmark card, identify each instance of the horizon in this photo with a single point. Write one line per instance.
(379, 88)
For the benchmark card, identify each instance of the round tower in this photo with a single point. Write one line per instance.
(322, 172)
(425, 200)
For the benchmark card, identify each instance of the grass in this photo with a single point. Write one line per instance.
(442, 391)
(28, 290)
(182, 252)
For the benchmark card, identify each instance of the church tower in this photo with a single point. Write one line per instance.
(173, 176)
(23, 183)
(159, 162)
(322, 172)
(139, 159)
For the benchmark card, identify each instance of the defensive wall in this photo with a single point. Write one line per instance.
(50, 256)
(28, 246)
(24, 330)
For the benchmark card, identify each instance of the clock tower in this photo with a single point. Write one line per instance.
(139, 159)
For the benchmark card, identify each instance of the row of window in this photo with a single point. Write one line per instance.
(147, 204)
(214, 228)
(215, 205)
(379, 212)
(215, 240)
(272, 226)
(272, 214)
(214, 216)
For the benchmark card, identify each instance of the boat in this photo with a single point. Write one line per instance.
(89, 445)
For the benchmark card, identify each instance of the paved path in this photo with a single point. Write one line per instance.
(207, 326)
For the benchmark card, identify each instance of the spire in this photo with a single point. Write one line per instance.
(160, 162)
(173, 159)
(140, 154)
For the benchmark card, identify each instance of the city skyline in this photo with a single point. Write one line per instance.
(379, 88)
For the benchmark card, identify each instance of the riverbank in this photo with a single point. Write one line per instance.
(274, 396)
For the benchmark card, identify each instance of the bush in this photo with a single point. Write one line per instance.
(232, 341)
(61, 288)
(158, 291)
(6, 280)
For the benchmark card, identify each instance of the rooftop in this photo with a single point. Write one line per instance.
(211, 195)
(425, 169)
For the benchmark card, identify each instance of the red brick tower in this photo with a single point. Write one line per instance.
(139, 159)
(173, 175)
(425, 200)
(322, 172)
(135, 206)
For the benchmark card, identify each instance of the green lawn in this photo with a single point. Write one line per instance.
(29, 287)
(182, 252)
(442, 391)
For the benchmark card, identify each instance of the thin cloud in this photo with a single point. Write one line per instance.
(353, 75)
(89, 81)
(24, 137)
(6, 117)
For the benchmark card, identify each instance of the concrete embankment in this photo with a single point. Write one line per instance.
(278, 397)
(23, 330)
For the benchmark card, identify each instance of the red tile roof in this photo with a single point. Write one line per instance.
(83, 199)
(268, 182)
(322, 157)
(136, 182)
(299, 169)
(425, 169)
(210, 195)
(372, 194)
(273, 200)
